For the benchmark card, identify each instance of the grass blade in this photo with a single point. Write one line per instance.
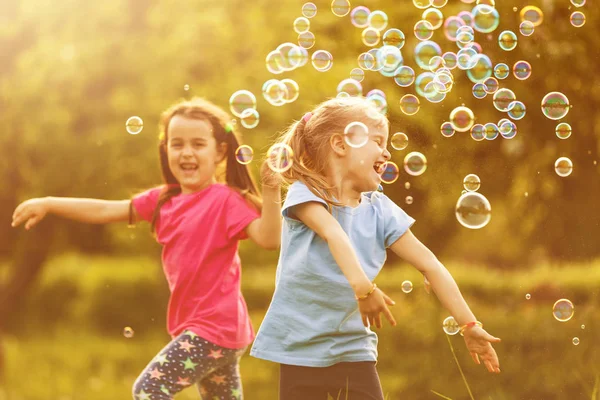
(441, 395)
(460, 369)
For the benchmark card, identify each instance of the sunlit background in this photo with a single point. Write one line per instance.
(82, 308)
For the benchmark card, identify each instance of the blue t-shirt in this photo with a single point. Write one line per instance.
(313, 319)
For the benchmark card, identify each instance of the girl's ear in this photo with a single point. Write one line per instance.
(338, 144)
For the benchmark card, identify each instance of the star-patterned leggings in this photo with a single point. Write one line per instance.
(186, 360)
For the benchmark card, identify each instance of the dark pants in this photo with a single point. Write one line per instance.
(316, 383)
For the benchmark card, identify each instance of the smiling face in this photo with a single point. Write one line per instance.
(364, 165)
(193, 153)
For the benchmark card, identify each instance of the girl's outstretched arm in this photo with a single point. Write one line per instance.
(266, 230)
(319, 220)
(92, 211)
(478, 341)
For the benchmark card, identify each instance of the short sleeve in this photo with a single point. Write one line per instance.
(238, 215)
(396, 220)
(299, 193)
(146, 202)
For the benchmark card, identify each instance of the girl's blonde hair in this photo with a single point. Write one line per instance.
(236, 175)
(309, 139)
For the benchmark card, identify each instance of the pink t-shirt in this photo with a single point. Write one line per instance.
(200, 233)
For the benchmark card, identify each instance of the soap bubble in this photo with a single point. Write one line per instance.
(473, 210)
(563, 310)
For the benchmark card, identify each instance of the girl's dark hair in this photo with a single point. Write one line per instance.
(236, 175)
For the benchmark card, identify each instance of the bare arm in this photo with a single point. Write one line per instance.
(318, 219)
(92, 211)
(478, 341)
(409, 248)
(266, 230)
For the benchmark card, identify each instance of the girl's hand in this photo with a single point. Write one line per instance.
(31, 212)
(479, 343)
(268, 177)
(371, 308)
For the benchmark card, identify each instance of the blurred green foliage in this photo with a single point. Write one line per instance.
(78, 351)
(72, 73)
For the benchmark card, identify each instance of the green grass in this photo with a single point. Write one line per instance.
(71, 347)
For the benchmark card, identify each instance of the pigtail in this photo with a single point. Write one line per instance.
(238, 175)
(172, 187)
(307, 168)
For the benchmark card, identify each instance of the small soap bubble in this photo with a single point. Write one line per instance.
(503, 98)
(526, 28)
(422, 4)
(394, 37)
(462, 118)
(415, 163)
(309, 10)
(128, 332)
(582, 326)
(408, 200)
(360, 16)
(423, 30)
(399, 141)
(301, 25)
(250, 118)
(134, 125)
(450, 326)
(306, 39)
(292, 91)
(479, 91)
(371, 36)
(409, 104)
(186, 87)
(555, 105)
(563, 166)
(357, 74)
(577, 19)
(576, 341)
(322, 60)
(407, 185)
(522, 70)
(491, 131)
(356, 134)
(447, 129)
(472, 183)
(244, 154)
(350, 86)
(391, 172)
(485, 18)
(366, 61)
(578, 3)
(501, 71)
(516, 110)
(240, 101)
(378, 20)
(491, 85)
(478, 132)
(280, 157)
(563, 130)
(404, 76)
(507, 40)
(563, 310)
(532, 14)
(473, 210)
(407, 286)
(528, 296)
(434, 17)
(340, 8)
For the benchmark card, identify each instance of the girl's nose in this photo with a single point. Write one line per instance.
(386, 154)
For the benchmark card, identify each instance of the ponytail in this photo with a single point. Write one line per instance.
(238, 175)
